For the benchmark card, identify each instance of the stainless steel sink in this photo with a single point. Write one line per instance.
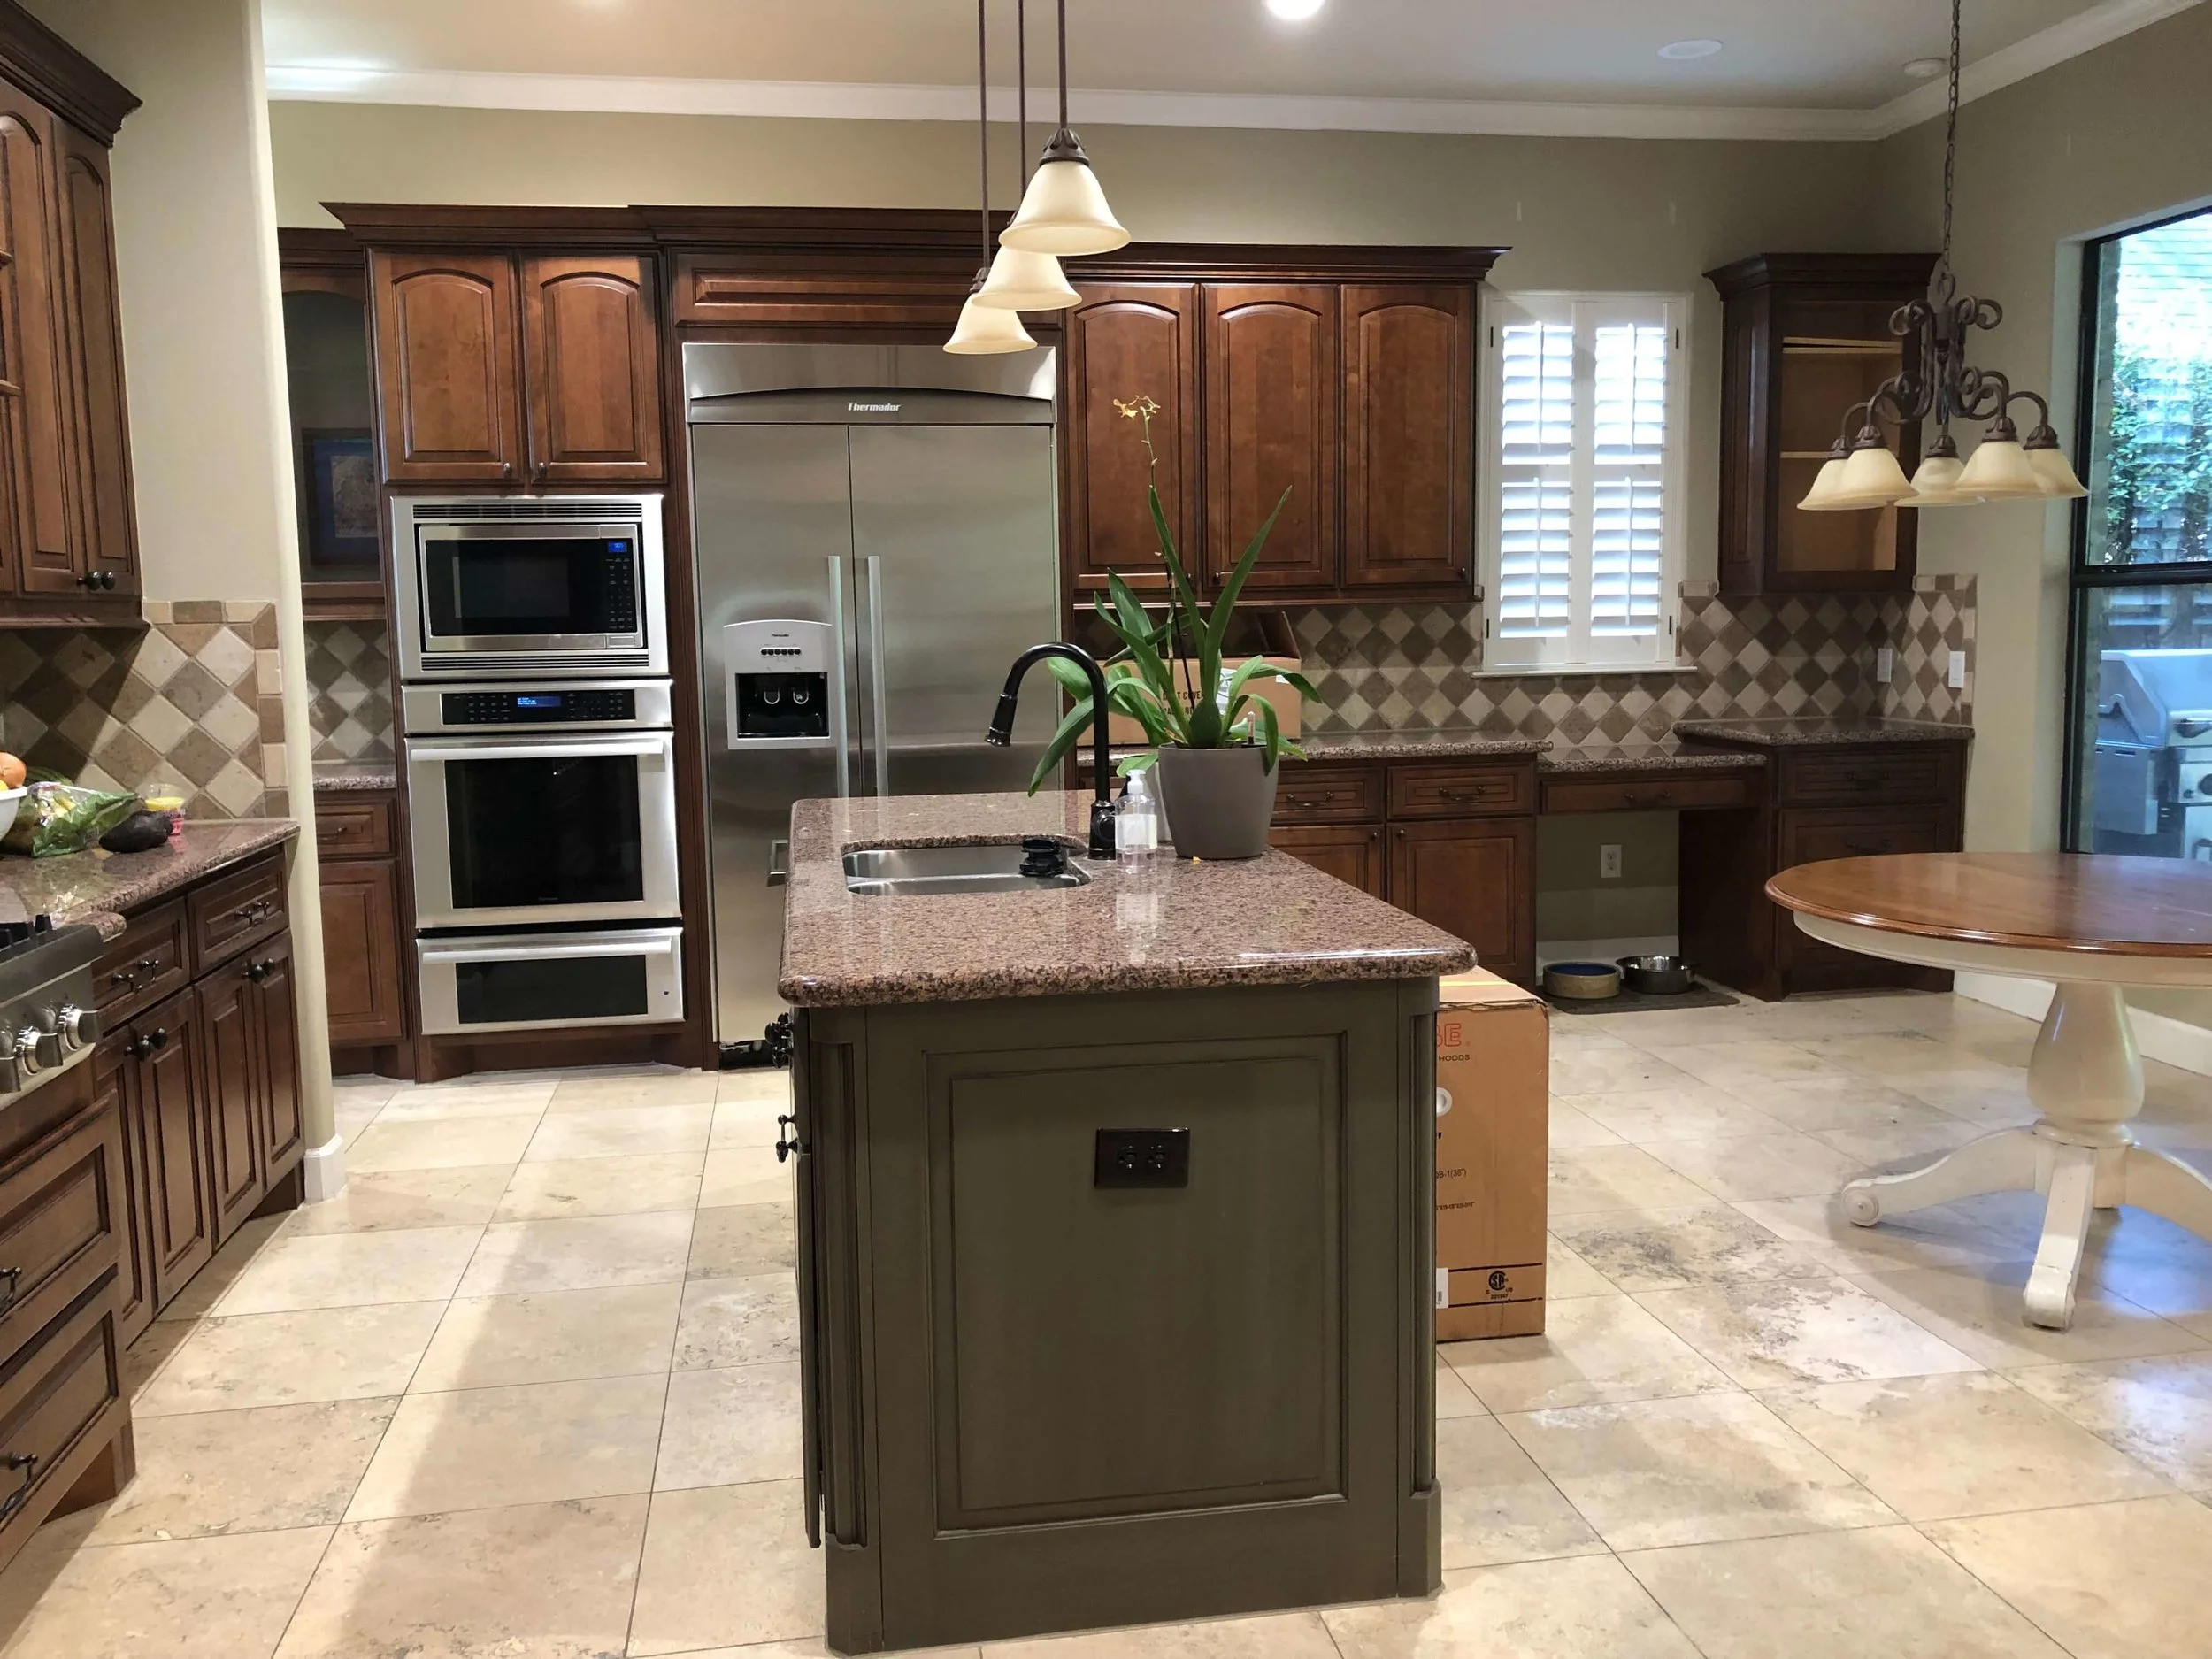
(995, 868)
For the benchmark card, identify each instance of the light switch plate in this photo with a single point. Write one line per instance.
(1610, 862)
(1885, 664)
(1956, 676)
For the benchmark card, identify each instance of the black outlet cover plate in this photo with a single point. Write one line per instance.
(1142, 1158)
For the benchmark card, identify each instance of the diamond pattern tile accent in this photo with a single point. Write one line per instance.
(349, 678)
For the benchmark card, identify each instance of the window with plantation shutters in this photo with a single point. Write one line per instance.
(1582, 523)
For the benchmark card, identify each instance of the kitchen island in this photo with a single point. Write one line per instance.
(1116, 1212)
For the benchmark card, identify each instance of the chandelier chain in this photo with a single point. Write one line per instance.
(1951, 131)
(983, 106)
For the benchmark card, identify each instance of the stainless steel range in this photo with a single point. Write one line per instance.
(2154, 770)
(48, 1022)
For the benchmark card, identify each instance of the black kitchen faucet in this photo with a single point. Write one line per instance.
(1002, 731)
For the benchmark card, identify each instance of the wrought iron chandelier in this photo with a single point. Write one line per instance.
(1938, 382)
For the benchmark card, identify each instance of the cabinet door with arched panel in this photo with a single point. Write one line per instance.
(591, 365)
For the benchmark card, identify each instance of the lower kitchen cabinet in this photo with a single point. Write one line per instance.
(201, 1062)
(364, 984)
(1475, 878)
(1352, 853)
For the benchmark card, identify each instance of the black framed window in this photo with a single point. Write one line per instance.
(2139, 764)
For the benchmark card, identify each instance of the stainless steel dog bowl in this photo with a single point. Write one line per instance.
(1657, 976)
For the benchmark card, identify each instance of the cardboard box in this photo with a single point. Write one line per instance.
(1493, 1147)
(1121, 729)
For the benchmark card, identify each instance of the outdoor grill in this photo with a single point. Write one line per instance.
(2152, 791)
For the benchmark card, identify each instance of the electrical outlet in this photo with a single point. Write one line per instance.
(1610, 862)
(1955, 675)
(1885, 664)
(1141, 1158)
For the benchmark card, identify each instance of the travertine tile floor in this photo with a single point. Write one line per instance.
(529, 1390)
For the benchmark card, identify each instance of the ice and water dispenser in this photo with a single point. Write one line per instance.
(776, 677)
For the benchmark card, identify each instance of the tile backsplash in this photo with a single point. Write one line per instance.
(1388, 668)
(193, 705)
(350, 678)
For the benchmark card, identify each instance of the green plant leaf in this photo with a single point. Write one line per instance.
(1139, 701)
(1073, 726)
(1128, 766)
(1271, 734)
(1259, 668)
(1135, 626)
(1226, 605)
(1072, 679)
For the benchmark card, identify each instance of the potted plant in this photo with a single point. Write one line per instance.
(1217, 742)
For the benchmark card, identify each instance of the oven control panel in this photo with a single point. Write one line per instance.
(539, 706)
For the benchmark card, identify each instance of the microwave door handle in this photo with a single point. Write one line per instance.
(840, 732)
(881, 730)
(646, 747)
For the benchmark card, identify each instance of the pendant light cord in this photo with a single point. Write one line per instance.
(1951, 132)
(1021, 86)
(1063, 65)
(983, 121)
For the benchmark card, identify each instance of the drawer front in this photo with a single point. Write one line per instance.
(61, 1215)
(357, 829)
(1428, 791)
(1865, 832)
(226, 913)
(1853, 777)
(1615, 795)
(63, 1394)
(1329, 794)
(152, 959)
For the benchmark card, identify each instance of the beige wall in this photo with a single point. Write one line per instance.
(203, 353)
(1587, 213)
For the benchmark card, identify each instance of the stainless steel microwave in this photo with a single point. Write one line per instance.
(494, 586)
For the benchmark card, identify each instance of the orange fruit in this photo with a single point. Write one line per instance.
(11, 772)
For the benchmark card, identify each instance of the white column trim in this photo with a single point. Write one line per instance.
(323, 1171)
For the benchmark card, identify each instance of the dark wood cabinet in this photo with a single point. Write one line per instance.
(1128, 341)
(162, 1090)
(279, 1130)
(1475, 878)
(107, 523)
(229, 1109)
(35, 379)
(1271, 424)
(134, 1278)
(494, 369)
(330, 382)
(1408, 436)
(1805, 337)
(591, 362)
(446, 346)
(362, 982)
(1352, 853)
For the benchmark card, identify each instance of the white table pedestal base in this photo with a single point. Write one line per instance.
(2086, 1080)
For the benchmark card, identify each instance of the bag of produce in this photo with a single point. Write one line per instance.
(63, 818)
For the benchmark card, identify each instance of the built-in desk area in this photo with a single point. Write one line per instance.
(1443, 823)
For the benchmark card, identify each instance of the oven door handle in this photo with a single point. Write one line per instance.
(580, 749)
(523, 950)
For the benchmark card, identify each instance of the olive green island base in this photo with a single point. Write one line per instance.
(1047, 1386)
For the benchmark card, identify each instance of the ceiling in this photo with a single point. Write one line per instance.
(1214, 61)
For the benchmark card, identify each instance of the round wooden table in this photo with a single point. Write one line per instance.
(2090, 923)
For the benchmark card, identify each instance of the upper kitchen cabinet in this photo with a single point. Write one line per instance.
(1127, 341)
(332, 402)
(1807, 337)
(591, 361)
(68, 531)
(1408, 436)
(499, 369)
(1271, 403)
(448, 363)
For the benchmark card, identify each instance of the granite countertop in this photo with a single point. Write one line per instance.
(1649, 754)
(1822, 730)
(346, 777)
(1179, 924)
(1439, 742)
(99, 886)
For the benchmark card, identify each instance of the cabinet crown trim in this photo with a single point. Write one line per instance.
(60, 76)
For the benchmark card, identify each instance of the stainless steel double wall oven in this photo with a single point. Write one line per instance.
(539, 748)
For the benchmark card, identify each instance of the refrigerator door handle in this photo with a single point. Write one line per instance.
(778, 862)
(840, 739)
(882, 734)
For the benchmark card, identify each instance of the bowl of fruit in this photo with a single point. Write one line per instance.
(11, 790)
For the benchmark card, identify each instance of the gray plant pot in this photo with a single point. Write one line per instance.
(1219, 800)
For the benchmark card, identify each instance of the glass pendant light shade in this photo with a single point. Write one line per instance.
(1999, 469)
(1871, 476)
(1821, 496)
(1935, 482)
(1063, 213)
(986, 331)
(2049, 463)
(1025, 281)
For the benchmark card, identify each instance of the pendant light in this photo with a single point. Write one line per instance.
(1821, 496)
(984, 330)
(1064, 212)
(1022, 279)
(1941, 384)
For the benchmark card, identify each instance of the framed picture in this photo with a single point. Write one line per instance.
(339, 468)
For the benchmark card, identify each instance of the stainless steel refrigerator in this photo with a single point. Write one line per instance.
(876, 539)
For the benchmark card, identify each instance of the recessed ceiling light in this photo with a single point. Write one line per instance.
(1682, 52)
(1296, 11)
(1926, 68)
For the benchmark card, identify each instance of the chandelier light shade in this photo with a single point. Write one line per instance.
(1939, 383)
(985, 328)
(1064, 212)
(1020, 280)
(1827, 482)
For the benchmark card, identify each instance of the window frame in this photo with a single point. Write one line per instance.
(1513, 656)
(2084, 579)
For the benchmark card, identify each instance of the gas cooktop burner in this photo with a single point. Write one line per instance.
(48, 1017)
(15, 933)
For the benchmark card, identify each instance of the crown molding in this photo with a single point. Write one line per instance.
(645, 94)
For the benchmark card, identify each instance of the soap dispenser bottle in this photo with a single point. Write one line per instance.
(1137, 823)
